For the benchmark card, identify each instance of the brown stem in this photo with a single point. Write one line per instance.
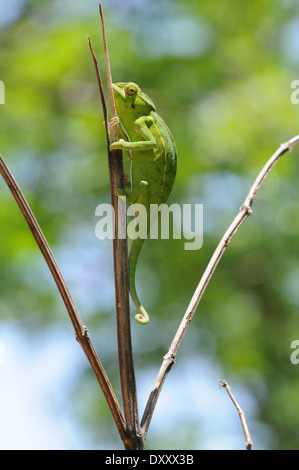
(108, 70)
(121, 275)
(82, 335)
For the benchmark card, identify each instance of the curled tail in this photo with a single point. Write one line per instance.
(141, 317)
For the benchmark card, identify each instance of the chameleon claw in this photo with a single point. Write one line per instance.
(142, 317)
(113, 123)
(115, 120)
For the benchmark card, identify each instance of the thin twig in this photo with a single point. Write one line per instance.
(244, 212)
(121, 273)
(108, 71)
(224, 384)
(81, 331)
(99, 80)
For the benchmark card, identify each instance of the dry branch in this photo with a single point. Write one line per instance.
(81, 331)
(121, 272)
(244, 212)
(224, 384)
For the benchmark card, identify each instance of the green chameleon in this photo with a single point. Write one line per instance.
(153, 163)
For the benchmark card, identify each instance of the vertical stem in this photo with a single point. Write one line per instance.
(108, 71)
(121, 272)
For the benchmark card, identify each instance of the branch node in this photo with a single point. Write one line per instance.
(170, 356)
(247, 208)
(287, 146)
(223, 384)
(82, 336)
(85, 332)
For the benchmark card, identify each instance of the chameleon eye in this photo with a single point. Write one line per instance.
(131, 89)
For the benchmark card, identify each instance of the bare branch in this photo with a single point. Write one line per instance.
(81, 330)
(99, 80)
(108, 70)
(244, 212)
(121, 272)
(224, 384)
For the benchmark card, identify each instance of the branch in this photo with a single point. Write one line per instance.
(244, 212)
(82, 335)
(224, 384)
(121, 272)
(108, 71)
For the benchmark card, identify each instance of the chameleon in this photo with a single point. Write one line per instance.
(145, 136)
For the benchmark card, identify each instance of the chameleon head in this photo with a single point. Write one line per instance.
(130, 99)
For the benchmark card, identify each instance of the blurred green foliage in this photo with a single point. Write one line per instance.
(220, 75)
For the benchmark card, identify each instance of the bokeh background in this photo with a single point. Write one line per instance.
(220, 74)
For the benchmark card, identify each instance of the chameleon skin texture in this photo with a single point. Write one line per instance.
(152, 149)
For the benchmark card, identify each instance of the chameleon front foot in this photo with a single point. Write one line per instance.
(142, 317)
(112, 123)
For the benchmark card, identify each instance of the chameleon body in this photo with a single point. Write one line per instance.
(153, 163)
